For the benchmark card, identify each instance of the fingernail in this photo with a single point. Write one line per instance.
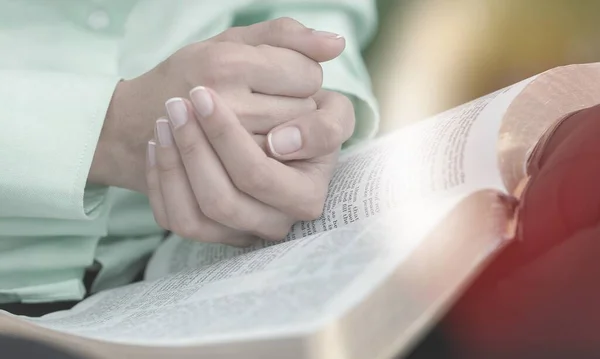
(163, 133)
(177, 112)
(151, 153)
(285, 141)
(327, 34)
(202, 101)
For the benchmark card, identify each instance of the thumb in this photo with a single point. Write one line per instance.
(317, 133)
(288, 33)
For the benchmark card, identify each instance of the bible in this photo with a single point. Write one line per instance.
(410, 219)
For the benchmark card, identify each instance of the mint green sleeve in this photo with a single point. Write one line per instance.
(50, 123)
(356, 20)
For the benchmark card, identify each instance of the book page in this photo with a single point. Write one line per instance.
(289, 288)
(452, 153)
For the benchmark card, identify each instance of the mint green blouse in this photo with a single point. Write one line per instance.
(59, 63)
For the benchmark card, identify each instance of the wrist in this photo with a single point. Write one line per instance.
(116, 162)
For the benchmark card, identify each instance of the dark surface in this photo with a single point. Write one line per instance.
(433, 346)
(19, 348)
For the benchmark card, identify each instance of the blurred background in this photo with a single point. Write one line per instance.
(431, 55)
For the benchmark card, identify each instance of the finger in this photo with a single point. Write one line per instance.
(290, 34)
(263, 178)
(261, 113)
(315, 134)
(153, 183)
(285, 72)
(263, 69)
(211, 187)
(184, 215)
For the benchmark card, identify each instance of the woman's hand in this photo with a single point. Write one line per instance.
(266, 73)
(209, 180)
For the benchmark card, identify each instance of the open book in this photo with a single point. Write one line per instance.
(409, 220)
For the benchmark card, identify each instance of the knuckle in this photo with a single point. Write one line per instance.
(284, 25)
(250, 222)
(314, 204)
(186, 228)
(168, 167)
(254, 178)
(189, 151)
(242, 107)
(311, 210)
(196, 48)
(216, 131)
(344, 102)
(152, 184)
(331, 133)
(265, 48)
(219, 208)
(223, 60)
(335, 132)
(231, 34)
(189, 52)
(311, 105)
(230, 54)
(348, 109)
(338, 124)
(314, 76)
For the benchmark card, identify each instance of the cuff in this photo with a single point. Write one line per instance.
(51, 123)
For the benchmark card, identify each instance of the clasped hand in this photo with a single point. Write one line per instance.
(253, 150)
